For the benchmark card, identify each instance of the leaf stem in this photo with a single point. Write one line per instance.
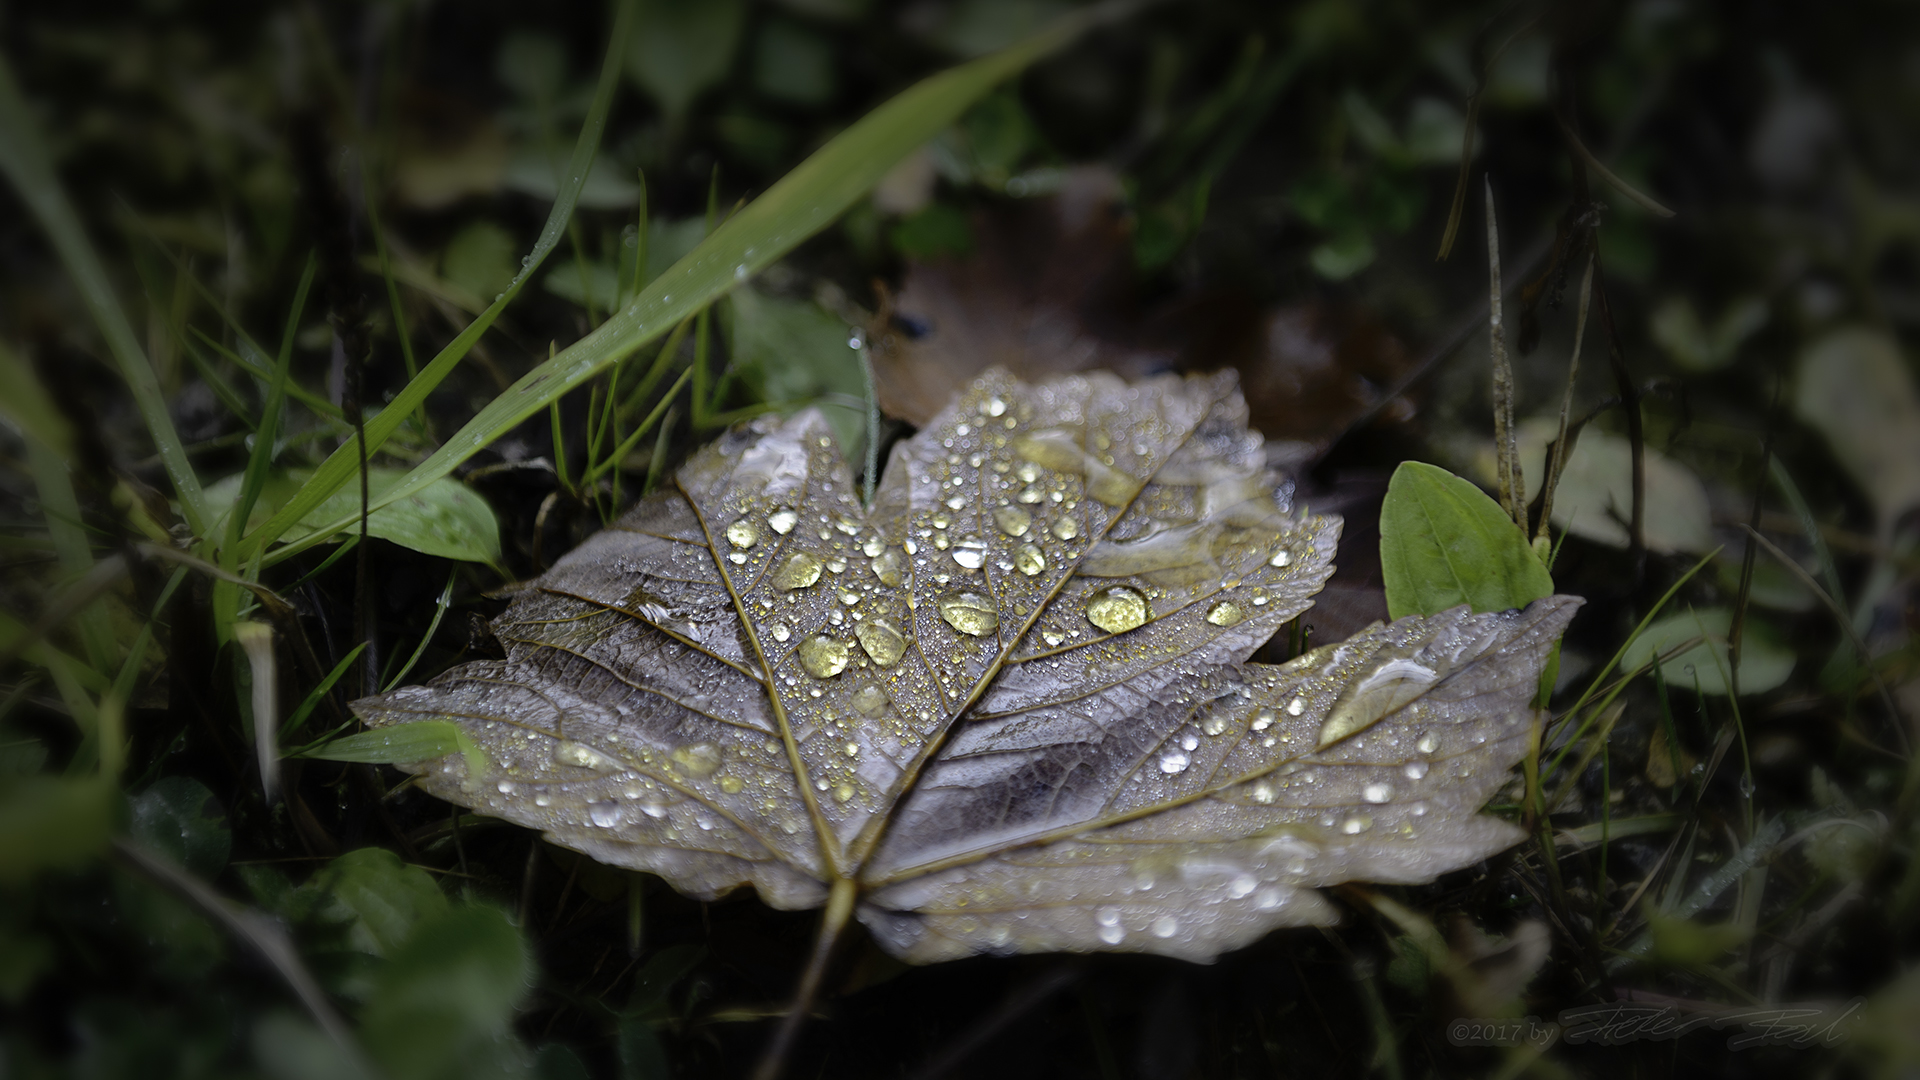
(839, 912)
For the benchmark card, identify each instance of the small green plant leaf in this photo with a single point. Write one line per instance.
(1444, 543)
(445, 518)
(49, 822)
(443, 1004)
(378, 898)
(683, 47)
(1595, 497)
(797, 351)
(1764, 662)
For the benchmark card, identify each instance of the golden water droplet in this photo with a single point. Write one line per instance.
(843, 793)
(1028, 472)
(1117, 609)
(697, 759)
(1280, 558)
(969, 612)
(1032, 493)
(887, 566)
(1065, 528)
(783, 520)
(1012, 520)
(882, 640)
(797, 571)
(971, 553)
(1112, 487)
(1225, 613)
(823, 656)
(870, 700)
(742, 534)
(873, 547)
(1029, 560)
(940, 541)
(731, 785)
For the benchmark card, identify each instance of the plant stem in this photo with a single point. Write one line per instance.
(839, 911)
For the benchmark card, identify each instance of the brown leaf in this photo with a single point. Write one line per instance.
(1009, 703)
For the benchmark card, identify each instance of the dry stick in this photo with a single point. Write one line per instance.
(1560, 448)
(1513, 486)
(1636, 428)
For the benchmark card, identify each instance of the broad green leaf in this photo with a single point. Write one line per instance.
(379, 898)
(802, 203)
(1764, 662)
(180, 818)
(443, 1004)
(1443, 542)
(479, 259)
(684, 47)
(1595, 496)
(445, 518)
(1854, 387)
(1008, 706)
(795, 350)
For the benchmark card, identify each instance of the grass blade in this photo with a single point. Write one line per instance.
(24, 160)
(439, 612)
(799, 205)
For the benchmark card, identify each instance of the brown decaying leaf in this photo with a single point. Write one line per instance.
(1009, 703)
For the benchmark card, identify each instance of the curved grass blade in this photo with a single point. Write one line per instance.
(799, 205)
(24, 160)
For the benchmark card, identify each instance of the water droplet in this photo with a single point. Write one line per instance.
(797, 571)
(870, 700)
(1262, 720)
(851, 749)
(940, 542)
(1032, 493)
(1214, 724)
(1165, 926)
(842, 793)
(823, 657)
(783, 520)
(849, 598)
(1377, 792)
(887, 566)
(731, 784)
(1189, 741)
(742, 534)
(956, 502)
(1175, 761)
(780, 632)
(697, 759)
(882, 640)
(740, 274)
(1264, 793)
(1065, 528)
(970, 553)
(1028, 472)
(586, 757)
(1012, 520)
(1415, 770)
(1356, 825)
(994, 406)
(1296, 706)
(969, 612)
(1225, 613)
(873, 547)
(1117, 609)
(941, 519)
(1429, 742)
(1280, 558)
(1028, 560)
(605, 814)
(1241, 886)
(1113, 935)
(737, 558)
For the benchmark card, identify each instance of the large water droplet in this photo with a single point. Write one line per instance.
(970, 553)
(1280, 558)
(823, 656)
(1214, 724)
(1377, 792)
(842, 793)
(969, 612)
(882, 640)
(605, 814)
(797, 571)
(783, 520)
(873, 547)
(742, 534)
(1065, 528)
(1225, 613)
(1369, 699)
(586, 757)
(1175, 761)
(1429, 742)
(1241, 885)
(1113, 935)
(1028, 472)
(1028, 560)
(1264, 793)
(887, 566)
(1012, 520)
(1415, 770)
(1165, 926)
(1117, 609)
(1356, 825)
(870, 700)
(697, 759)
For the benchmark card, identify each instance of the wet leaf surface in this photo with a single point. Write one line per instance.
(1009, 702)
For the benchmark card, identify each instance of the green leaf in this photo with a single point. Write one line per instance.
(795, 350)
(933, 232)
(802, 203)
(422, 740)
(479, 259)
(793, 63)
(684, 47)
(443, 1005)
(1443, 543)
(180, 818)
(1764, 662)
(1595, 495)
(379, 898)
(444, 518)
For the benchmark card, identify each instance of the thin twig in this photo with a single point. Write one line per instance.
(1513, 486)
(1561, 450)
(1644, 200)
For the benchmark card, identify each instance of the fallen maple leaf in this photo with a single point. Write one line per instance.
(1007, 708)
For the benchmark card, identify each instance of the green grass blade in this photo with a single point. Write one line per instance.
(439, 612)
(268, 429)
(344, 464)
(799, 205)
(318, 693)
(24, 160)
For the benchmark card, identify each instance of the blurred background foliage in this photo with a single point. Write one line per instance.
(1204, 184)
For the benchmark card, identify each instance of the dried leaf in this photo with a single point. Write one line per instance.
(1009, 703)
